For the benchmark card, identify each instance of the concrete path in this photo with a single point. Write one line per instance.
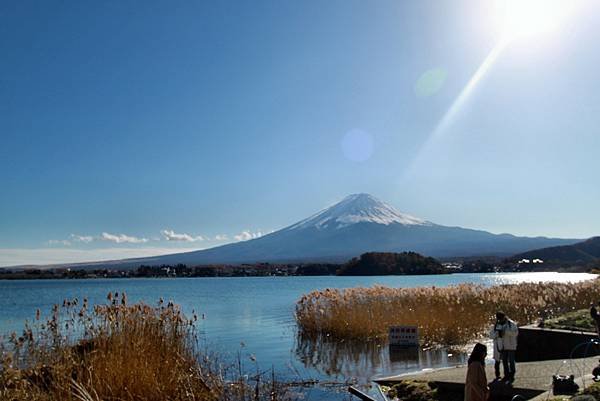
(530, 375)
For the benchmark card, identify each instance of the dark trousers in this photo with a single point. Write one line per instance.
(497, 367)
(508, 363)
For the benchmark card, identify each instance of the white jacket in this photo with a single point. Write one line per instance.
(509, 338)
(497, 343)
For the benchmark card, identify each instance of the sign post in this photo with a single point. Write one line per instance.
(404, 336)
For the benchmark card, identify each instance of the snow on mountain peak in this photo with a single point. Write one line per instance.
(358, 208)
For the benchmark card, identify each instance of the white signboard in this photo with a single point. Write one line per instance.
(404, 335)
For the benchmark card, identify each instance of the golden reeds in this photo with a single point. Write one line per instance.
(117, 352)
(453, 315)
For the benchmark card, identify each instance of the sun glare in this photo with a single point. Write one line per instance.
(525, 18)
(514, 19)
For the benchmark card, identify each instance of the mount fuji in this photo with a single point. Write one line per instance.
(359, 223)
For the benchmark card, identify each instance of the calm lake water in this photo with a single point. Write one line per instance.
(254, 316)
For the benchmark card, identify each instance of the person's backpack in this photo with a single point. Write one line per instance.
(564, 384)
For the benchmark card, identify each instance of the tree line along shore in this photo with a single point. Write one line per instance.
(367, 264)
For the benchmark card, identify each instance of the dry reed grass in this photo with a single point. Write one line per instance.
(453, 315)
(118, 352)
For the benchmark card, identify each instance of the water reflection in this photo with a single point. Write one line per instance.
(364, 360)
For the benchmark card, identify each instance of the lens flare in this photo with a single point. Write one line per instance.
(430, 82)
(357, 145)
(516, 19)
(457, 105)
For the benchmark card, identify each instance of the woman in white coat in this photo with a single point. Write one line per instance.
(497, 344)
(507, 331)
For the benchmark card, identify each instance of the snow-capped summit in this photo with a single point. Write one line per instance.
(358, 208)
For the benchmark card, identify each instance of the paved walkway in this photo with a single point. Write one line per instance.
(530, 375)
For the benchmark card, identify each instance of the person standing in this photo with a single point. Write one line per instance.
(595, 315)
(508, 331)
(497, 344)
(476, 388)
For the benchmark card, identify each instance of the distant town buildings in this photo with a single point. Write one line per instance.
(530, 261)
(453, 266)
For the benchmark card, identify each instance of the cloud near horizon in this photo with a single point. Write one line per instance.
(122, 239)
(167, 235)
(86, 239)
(64, 242)
(47, 256)
(171, 235)
(247, 235)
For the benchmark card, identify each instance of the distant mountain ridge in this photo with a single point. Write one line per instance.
(358, 224)
(580, 252)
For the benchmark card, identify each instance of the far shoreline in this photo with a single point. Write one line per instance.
(366, 265)
(21, 276)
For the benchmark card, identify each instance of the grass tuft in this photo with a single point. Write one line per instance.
(412, 390)
(578, 320)
(118, 352)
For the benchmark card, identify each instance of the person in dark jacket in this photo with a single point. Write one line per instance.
(595, 316)
(476, 388)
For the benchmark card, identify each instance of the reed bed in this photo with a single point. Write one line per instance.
(120, 352)
(454, 315)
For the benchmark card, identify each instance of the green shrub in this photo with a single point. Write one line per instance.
(413, 390)
(575, 320)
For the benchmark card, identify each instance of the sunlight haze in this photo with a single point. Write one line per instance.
(178, 127)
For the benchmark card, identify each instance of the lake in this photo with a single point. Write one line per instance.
(254, 317)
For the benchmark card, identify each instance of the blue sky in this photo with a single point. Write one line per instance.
(125, 124)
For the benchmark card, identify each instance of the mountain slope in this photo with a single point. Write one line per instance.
(586, 251)
(360, 223)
